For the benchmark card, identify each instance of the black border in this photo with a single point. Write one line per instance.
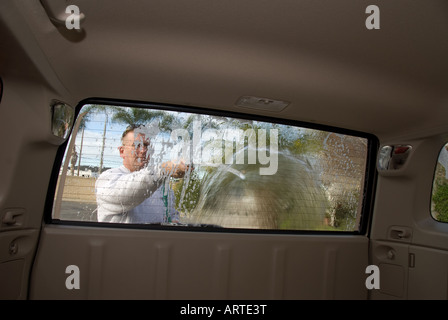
(369, 182)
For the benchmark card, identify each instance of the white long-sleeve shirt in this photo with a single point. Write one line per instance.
(134, 197)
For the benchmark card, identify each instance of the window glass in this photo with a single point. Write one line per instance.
(142, 166)
(439, 203)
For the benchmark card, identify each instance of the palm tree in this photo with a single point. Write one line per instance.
(74, 155)
(136, 116)
(84, 118)
(124, 115)
(73, 160)
(87, 112)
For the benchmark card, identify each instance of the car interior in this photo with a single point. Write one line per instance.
(224, 150)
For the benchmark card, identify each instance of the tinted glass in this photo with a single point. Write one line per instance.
(439, 203)
(142, 166)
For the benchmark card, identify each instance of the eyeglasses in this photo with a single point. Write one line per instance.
(137, 145)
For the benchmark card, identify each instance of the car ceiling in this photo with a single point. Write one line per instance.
(317, 55)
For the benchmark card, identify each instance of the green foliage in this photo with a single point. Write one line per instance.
(345, 215)
(345, 210)
(135, 116)
(306, 144)
(440, 195)
(187, 192)
(440, 201)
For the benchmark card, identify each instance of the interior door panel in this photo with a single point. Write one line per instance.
(392, 260)
(428, 273)
(159, 264)
(16, 257)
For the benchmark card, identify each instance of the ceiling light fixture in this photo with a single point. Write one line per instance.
(262, 103)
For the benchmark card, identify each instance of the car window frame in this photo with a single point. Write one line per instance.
(434, 177)
(370, 175)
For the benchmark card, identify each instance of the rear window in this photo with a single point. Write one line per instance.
(161, 167)
(439, 199)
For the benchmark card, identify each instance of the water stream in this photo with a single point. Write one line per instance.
(238, 196)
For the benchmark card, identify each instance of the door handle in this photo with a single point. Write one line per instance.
(12, 217)
(399, 233)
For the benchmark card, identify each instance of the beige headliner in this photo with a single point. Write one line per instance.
(207, 53)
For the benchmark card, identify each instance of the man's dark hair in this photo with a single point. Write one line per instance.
(130, 128)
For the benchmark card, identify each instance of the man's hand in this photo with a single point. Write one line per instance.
(175, 170)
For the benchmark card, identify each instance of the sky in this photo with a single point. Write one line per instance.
(93, 141)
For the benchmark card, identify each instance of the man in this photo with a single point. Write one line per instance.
(137, 192)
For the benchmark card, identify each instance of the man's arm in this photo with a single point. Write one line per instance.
(119, 192)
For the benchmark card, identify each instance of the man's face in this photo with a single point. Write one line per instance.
(134, 151)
